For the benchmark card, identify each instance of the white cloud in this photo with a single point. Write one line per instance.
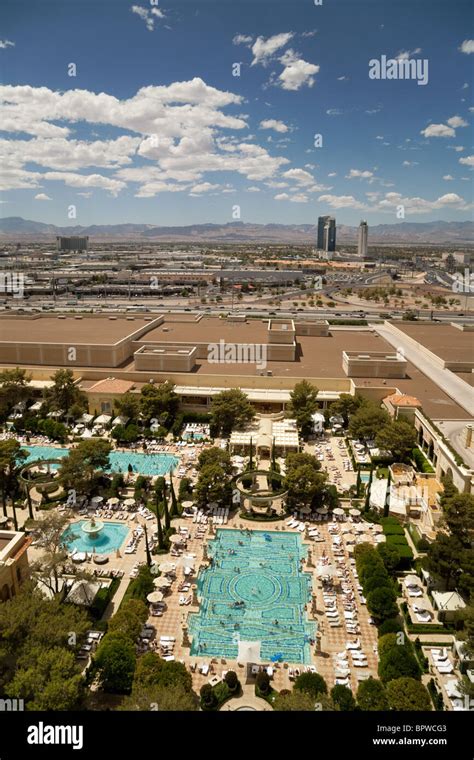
(148, 15)
(418, 205)
(278, 126)
(334, 112)
(242, 39)
(300, 176)
(203, 187)
(467, 47)
(448, 177)
(410, 163)
(467, 160)
(457, 148)
(263, 49)
(42, 197)
(296, 73)
(404, 55)
(438, 130)
(457, 121)
(253, 189)
(359, 174)
(342, 79)
(4, 44)
(332, 174)
(297, 198)
(114, 186)
(341, 201)
(282, 197)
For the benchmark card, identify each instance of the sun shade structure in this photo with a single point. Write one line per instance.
(249, 651)
(162, 582)
(354, 512)
(155, 597)
(338, 511)
(167, 567)
(175, 539)
(326, 571)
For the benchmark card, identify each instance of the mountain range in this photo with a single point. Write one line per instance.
(15, 228)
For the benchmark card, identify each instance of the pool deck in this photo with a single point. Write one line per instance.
(332, 640)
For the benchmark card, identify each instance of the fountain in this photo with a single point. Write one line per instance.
(92, 527)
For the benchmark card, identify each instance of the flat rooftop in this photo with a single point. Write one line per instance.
(447, 342)
(208, 330)
(91, 330)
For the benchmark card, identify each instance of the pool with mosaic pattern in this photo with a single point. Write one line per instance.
(254, 590)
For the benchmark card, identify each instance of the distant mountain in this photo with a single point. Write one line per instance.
(15, 228)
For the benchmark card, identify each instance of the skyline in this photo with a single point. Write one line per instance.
(161, 131)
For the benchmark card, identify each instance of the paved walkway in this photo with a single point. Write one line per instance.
(247, 701)
(456, 388)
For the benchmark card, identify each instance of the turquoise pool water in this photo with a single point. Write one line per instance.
(364, 477)
(145, 464)
(262, 572)
(110, 538)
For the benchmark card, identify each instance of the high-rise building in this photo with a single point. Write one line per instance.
(326, 233)
(72, 243)
(363, 237)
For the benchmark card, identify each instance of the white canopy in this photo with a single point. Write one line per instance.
(102, 419)
(154, 597)
(249, 651)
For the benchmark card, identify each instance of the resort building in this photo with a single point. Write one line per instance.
(14, 567)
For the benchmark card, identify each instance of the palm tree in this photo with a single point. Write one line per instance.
(147, 548)
(161, 542)
(174, 501)
(166, 511)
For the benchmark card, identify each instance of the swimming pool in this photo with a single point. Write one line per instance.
(145, 464)
(254, 590)
(364, 477)
(110, 538)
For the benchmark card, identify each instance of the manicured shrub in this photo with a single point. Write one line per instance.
(312, 683)
(208, 698)
(232, 681)
(263, 682)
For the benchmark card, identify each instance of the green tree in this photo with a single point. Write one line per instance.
(443, 558)
(458, 512)
(48, 568)
(371, 696)
(230, 410)
(152, 670)
(47, 678)
(303, 404)
(367, 421)
(128, 406)
(311, 683)
(390, 556)
(83, 466)
(398, 437)
(160, 698)
(382, 604)
(343, 698)
(115, 662)
(64, 393)
(408, 694)
(346, 405)
(305, 486)
(14, 390)
(212, 486)
(160, 402)
(11, 458)
(294, 701)
(215, 455)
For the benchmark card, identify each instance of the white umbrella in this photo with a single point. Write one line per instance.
(187, 561)
(322, 510)
(377, 528)
(325, 571)
(249, 651)
(129, 502)
(412, 580)
(187, 504)
(97, 500)
(354, 512)
(338, 511)
(162, 582)
(349, 537)
(113, 500)
(86, 434)
(176, 539)
(167, 567)
(305, 510)
(155, 597)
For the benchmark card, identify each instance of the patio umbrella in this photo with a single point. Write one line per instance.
(162, 582)
(176, 539)
(305, 510)
(154, 568)
(377, 528)
(326, 571)
(338, 511)
(155, 597)
(322, 510)
(349, 537)
(187, 561)
(112, 501)
(354, 512)
(129, 502)
(213, 505)
(380, 539)
(97, 500)
(412, 580)
(346, 529)
(167, 567)
(361, 528)
(187, 504)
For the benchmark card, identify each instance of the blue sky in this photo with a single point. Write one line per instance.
(155, 128)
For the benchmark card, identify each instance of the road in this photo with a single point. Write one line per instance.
(456, 388)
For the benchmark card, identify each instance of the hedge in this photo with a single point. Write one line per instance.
(102, 599)
(393, 530)
(396, 538)
(421, 461)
